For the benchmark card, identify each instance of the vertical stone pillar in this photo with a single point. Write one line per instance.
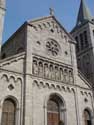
(2, 14)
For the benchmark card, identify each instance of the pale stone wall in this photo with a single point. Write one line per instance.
(37, 37)
(14, 63)
(76, 99)
(11, 87)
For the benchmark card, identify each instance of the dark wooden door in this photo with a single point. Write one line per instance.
(53, 119)
(53, 116)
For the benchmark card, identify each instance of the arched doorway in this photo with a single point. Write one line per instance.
(55, 111)
(8, 113)
(87, 117)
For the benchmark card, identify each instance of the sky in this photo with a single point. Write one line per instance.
(19, 11)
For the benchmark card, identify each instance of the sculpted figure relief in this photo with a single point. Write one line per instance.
(40, 69)
(70, 76)
(57, 74)
(35, 67)
(66, 77)
(61, 75)
(52, 71)
(46, 71)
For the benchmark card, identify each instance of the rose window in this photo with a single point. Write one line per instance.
(52, 47)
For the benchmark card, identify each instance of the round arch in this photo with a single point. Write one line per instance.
(6, 104)
(15, 100)
(87, 116)
(57, 94)
(58, 112)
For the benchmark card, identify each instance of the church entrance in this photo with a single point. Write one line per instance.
(87, 117)
(54, 114)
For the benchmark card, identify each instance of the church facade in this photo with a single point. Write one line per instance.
(40, 80)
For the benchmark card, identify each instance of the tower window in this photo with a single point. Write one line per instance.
(85, 38)
(81, 41)
(77, 45)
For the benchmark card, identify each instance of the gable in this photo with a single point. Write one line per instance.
(48, 38)
(53, 25)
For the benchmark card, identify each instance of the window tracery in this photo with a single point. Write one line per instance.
(52, 47)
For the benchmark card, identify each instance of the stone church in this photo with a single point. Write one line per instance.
(46, 73)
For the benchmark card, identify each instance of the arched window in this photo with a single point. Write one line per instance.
(55, 111)
(8, 113)
(87, 117)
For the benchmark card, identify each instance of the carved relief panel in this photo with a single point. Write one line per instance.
(52, 71)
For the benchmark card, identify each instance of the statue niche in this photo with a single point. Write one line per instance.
(66, 76)
(71, 76)
(35, 67)
(57, 76)
(61, 75)
(51, 73)
(46, 71)
(40, 67)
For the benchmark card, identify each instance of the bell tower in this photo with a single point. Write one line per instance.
(83, 32)
(2, 14)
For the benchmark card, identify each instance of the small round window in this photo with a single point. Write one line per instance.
(53, 47)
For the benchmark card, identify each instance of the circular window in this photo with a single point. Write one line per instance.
(52, 47)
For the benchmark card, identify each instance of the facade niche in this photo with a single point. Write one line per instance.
(61, 74)
(40, 66)
(35, 67)
(52, 71)
(46, 71)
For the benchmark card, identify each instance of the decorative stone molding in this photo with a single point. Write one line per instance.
(84, 93)
(9, 60)
(52, 26)
(41, 84)
(11, 87)
(51, 70)
(9, 77)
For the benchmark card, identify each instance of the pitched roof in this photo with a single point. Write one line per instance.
(84, 13)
